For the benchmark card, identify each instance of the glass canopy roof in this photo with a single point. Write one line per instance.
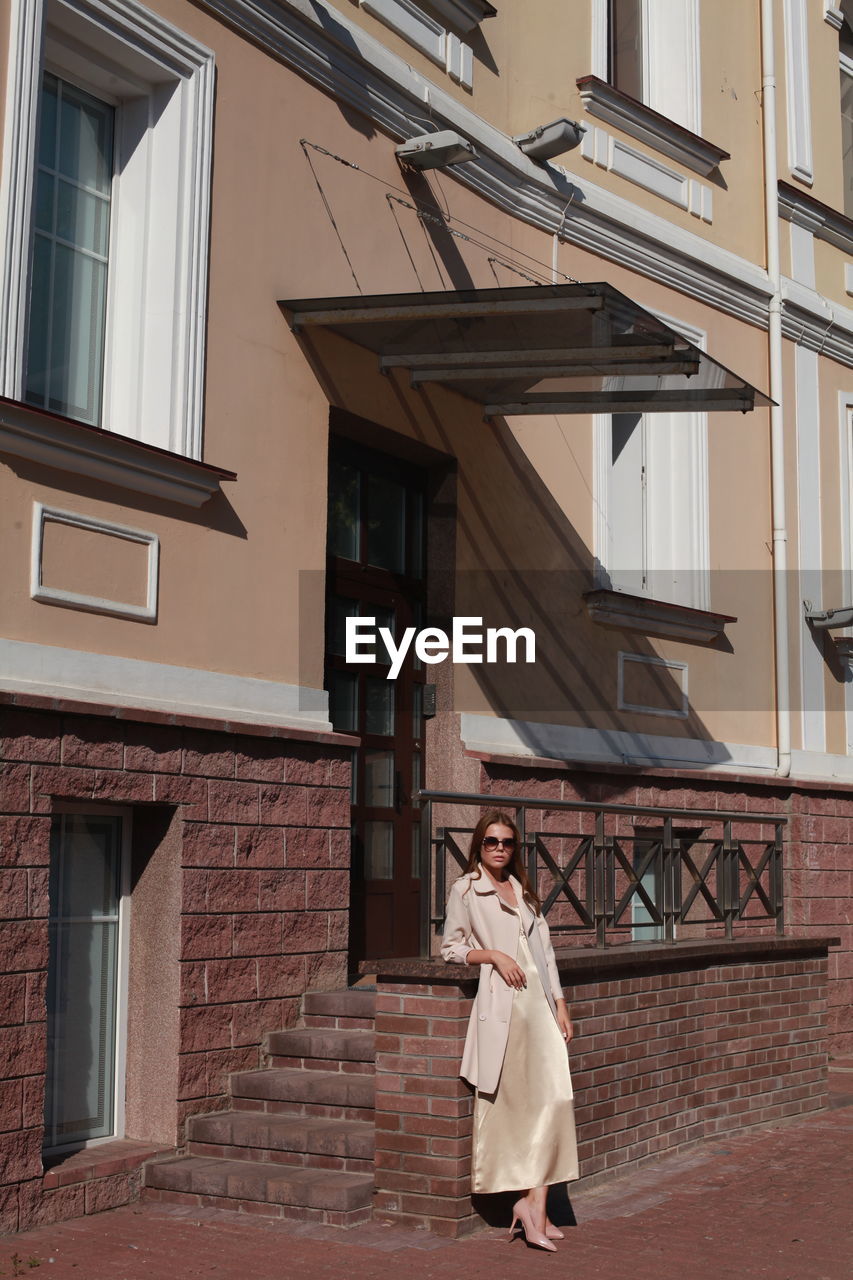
(562, 348)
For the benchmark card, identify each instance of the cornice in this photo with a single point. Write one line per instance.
(465, 15)
(339, 57)
(821, 219)
(639, 121)
(813, 322)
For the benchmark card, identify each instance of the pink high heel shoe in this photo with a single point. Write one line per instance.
(552, 1232)
(521, 1214)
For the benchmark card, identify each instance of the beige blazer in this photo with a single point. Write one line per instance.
(477, 920)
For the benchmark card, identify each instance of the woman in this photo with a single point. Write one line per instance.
(515, 1051)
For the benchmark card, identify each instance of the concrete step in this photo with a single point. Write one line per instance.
(349, 1049)
(311, 1141)
(291, 1090)
(340, 1199)
(351, 1007)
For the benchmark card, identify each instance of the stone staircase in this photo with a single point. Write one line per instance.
(298, 1139)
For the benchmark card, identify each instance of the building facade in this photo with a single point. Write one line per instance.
(260, 376)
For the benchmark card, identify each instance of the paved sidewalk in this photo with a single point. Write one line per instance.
(769, 1204)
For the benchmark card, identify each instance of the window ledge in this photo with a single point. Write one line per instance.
(655, 617)
(822, 220)
(464, 15)
(635, 118)
(57, 441)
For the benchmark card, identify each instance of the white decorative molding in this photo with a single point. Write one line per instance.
(465, 15)
(48, 671)
(798, 91)
(825, 223)
(497, 736)
(600, 50)
(810, 320)
(43, 515)
(802, 254)
(606, 103)
(809, 544)
(845, 476)
(626, 162)
(424, 33)
(680, 670)
(164, 81)
(654, 617)
(833, 16)
(72, 446)
(848, 277)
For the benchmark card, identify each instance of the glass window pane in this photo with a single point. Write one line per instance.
(626, 47)
(847, 139)
(379, 850)
(65, 350)
(417, 854)
(384, 618)
(82, 985)
(416, 777)
(344, 511)
(343, 701)
(386, 525)
(379, 706)
(379, 779)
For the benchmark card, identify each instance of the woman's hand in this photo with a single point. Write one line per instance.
(564, 1022)
(511, 972)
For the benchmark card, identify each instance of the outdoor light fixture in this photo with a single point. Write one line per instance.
(828, 619)
(550, 140)
(435, 150)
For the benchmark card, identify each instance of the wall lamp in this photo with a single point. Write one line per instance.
(828, 619)
(435, 150)
(550, 140)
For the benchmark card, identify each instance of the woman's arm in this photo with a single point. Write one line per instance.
(457, 943)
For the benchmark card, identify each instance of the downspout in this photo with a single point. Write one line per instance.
(777, 438)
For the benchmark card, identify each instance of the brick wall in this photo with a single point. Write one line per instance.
(665, 1053)
(263, 884)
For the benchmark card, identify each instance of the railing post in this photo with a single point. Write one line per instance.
(777, 880)
(730, 896)
(599, 897)
(667, 881)
(428, 876)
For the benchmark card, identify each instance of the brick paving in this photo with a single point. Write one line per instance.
(766, 1204)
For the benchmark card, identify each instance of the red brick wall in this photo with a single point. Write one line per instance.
(661, 1058)
(264, 897)
(818, 849)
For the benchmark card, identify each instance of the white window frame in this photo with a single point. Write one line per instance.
(123, 967)
(687, 584)
(162, 81)
(670, 44)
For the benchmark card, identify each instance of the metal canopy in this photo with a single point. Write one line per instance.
(561, 348)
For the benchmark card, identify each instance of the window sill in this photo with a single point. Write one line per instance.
(120, 1155)
(655, 617)
(464, 15)
(56, 441)
(600, 99)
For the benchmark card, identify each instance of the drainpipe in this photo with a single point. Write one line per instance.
(777, 440)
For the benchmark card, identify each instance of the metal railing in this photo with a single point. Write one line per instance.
(605, 869)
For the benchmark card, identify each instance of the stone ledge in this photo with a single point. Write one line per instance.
(101, 1161)
(612, 962)
(655, 617)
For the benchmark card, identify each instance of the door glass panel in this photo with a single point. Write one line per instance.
(344, 511)
(416, 776)
(379, 779)
(340, 608)
(379, 706)
(384, 618)
(417, 867)
(417, 710)
(386, 524)
(343, 701)
(379, 850)
(417, 551)
(82, 988)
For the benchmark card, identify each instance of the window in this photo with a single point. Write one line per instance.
(104, 208)
(845, 57)
(86, 977)
(71, 232)
(652, 503)
(649, 49)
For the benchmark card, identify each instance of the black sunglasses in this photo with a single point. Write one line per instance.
(490, 843)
